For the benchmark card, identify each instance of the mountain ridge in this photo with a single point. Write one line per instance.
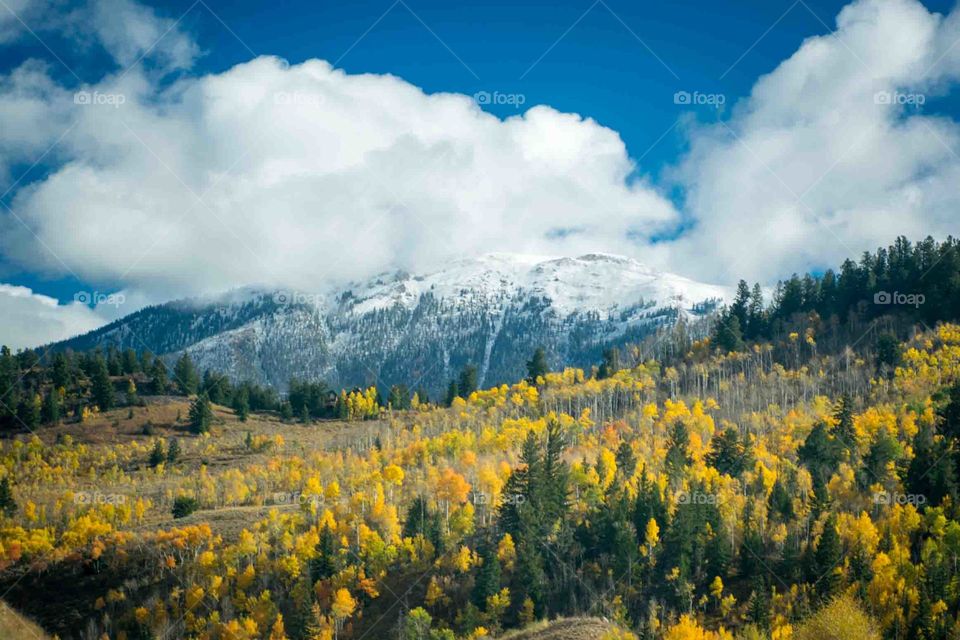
(397, 327)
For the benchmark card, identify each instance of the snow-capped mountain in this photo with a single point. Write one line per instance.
(420, 330)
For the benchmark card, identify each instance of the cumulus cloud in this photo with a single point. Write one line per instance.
(301, 175)
(830, 154)
(31, 319)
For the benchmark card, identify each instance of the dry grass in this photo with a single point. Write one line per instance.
(15, 627)
(563, 629)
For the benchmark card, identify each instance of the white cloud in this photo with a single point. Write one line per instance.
(817, 165)
(131, 31)
(308, 174)
(30, 319)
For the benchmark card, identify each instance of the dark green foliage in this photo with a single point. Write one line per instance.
(157, 456)
(158, 377)
(677, 457)
(467, 382)
(183, 506)
(102, 386)
(241, 404)
(185, 375)
(173, 450)
(827, 557)
(487, 582)
(888, 354)
(201, 415)
(537, 366)
(8, 506)
(399, 397)
(729, 454)
(51, 407)
(820, 452)
(932, 471)
(610, 364)
(453, 392)
(324, 563)
(727, 334)
(286, 412)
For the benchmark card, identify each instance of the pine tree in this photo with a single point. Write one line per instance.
(158, 377)
(487, 582)
(60, 374)
(157, 456)
(102, 387)
(610, 364)
(467, 383)
(8, 506)
(241, 404)
(324, 563)
(30, 411)
(286, 411)
(51, 406)
(537, 366)
(453, 392)
(201, 415)
(173, 450)
(827, 557)
(677, 457)
(185, 375)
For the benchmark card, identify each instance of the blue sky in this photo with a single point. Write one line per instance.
(690, 178)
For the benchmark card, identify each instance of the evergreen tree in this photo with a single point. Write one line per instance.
(60, 373)
(158, 377)
(29, 412)
(8, 506)
(467, 383)
(888, 354)
(185, 375)
(324, 563)
(728, 454)
(201, 415)
(537, 366)
(173, 450)
(241, 404)
(487, 582)
(51, 406)
(158, 455)
(129, 363)
(827, 557)
(102, 386)
(677, 457)
(453, 392)
(286, 411)
(610, 364)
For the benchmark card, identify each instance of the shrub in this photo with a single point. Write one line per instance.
(184, 506)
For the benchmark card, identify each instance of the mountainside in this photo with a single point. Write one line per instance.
(420, 330)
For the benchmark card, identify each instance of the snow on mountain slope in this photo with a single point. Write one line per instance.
(491, 311)
(593, 282)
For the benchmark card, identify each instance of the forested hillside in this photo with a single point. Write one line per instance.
(802, 484)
